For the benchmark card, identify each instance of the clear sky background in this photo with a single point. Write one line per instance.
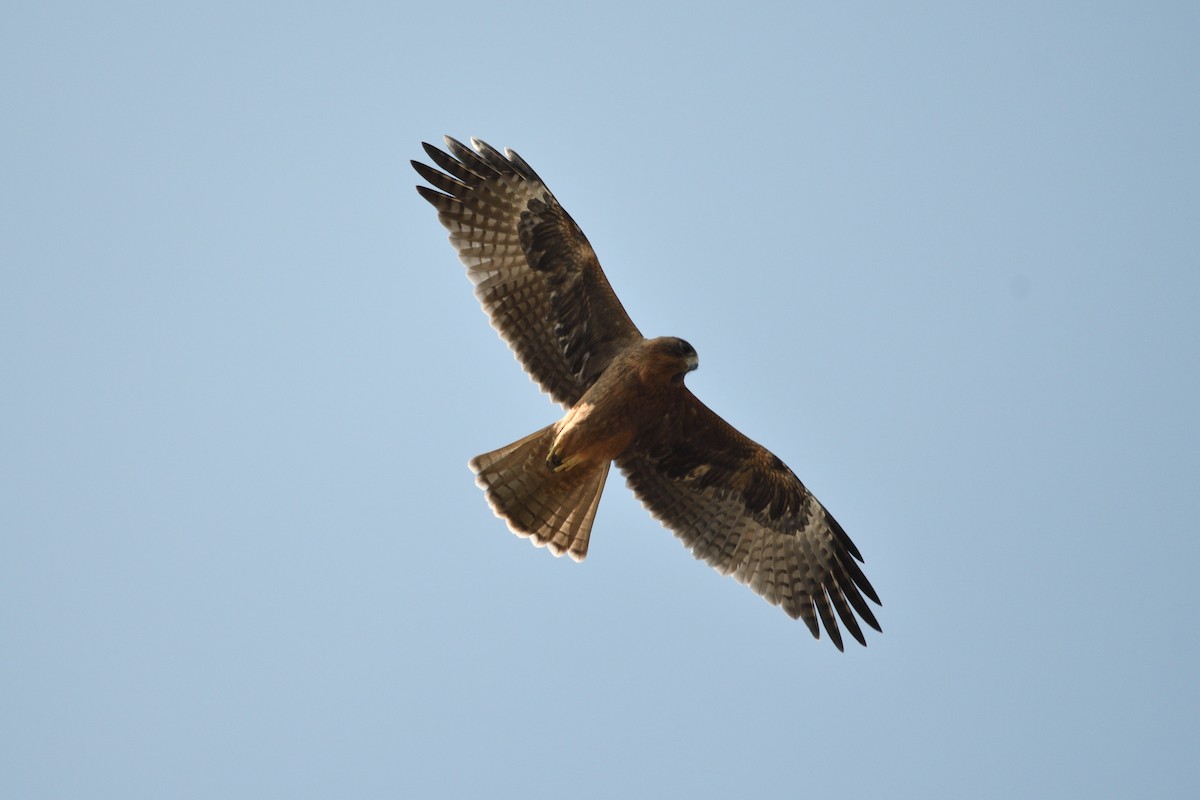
(942, 258)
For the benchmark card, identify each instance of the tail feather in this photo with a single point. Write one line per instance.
(553, 509)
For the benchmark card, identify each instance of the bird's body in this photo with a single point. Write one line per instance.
(551, 501)
(632, 394)
(731, 501)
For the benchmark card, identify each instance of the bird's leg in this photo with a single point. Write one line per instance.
(570, 439)
(557, 463)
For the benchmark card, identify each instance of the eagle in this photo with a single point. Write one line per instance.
(731, 501)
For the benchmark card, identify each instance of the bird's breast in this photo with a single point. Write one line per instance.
(606, 421)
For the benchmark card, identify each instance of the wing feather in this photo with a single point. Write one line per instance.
(449, 163)
(535, 273)
(739, 508)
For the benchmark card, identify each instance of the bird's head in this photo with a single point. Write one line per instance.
(673, 356)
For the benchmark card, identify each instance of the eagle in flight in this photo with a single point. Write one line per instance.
(733, 503)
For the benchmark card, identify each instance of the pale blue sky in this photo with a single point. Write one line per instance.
(940, 257)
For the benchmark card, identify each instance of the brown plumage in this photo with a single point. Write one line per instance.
(732, 502)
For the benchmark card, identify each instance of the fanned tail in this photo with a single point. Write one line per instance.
(553, 509)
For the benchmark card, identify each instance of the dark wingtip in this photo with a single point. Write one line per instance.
(522, 166)
(436, 198)
(869, 618)
(869, 591)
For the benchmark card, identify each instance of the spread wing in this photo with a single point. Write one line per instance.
(534, 271)
(740, 508)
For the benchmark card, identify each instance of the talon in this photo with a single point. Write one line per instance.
(557, 463)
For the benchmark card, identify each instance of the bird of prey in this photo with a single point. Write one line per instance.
(730, 500)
